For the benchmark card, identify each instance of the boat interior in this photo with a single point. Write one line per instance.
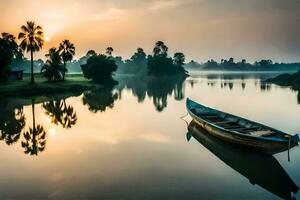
(236, 124)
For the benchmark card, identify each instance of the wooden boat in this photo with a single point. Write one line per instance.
(259, 168)
(240, 131)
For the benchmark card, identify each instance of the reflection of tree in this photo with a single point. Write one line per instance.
(60, 113)
(243, 85)
(265, 86)
(156, 88)
(137, 85)
(230, 85)
(12, 121)
(298, 97)
(35, 138)
(99, 99)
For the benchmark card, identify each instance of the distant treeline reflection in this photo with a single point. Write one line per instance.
(263, 86)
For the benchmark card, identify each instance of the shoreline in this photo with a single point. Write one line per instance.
(23, 88)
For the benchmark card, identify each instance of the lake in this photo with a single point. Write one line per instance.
(129, 142)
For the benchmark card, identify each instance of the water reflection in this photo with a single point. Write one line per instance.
(12, 121)
(265, 86)
(224, 84)
(100, 99)
(156, 88)
(223, 75)
(243, 85)
(260, 169)
(35, 138)
(60, 113)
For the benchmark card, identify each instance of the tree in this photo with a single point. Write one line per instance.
(67, 51)
(161, 65)
(91, 53)
(8, 51)
(109, 51)
(35, 138)
(179, 59)
(137, 64)
(32, 40)
(100, 69)
(139, 57)
(12, 121)
(264, 63)
(160, 49)
(53, 69)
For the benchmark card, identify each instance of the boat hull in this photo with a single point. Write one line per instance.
(255, 143)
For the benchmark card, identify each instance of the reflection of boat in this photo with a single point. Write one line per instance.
(261, 169)
(239, 130)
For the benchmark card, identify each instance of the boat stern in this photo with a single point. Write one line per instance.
(295, 139)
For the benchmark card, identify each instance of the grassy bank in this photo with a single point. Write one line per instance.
(73, 83)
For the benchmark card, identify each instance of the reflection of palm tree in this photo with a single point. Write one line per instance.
(11, 124)
(160, 88)
(61, 113)
(69, 117)
(32, 40)
(35, 138)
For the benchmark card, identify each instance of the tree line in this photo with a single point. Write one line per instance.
(230, 64)
(97, 67)
(31, 39)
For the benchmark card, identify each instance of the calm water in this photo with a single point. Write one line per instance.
(130, 143)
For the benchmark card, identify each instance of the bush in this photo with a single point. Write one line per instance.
(100, 68)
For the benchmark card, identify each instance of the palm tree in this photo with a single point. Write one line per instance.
(109, 51)
(32, 40)
(67, 51)
(53, 69)
(35, 137)
(160, 49)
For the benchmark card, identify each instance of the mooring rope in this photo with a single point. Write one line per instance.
(289, 149)
(187, 123)
(184, 115)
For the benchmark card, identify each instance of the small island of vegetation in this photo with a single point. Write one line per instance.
(292, 80)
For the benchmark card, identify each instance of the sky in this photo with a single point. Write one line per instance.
(202, 29)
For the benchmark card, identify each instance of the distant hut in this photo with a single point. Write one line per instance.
(16, 74)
